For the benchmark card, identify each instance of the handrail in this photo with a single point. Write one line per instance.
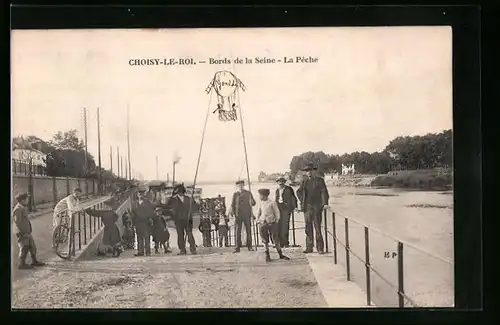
(399, 288)
(406, 243)
(85, 227)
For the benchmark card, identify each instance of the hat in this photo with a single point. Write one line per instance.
(281, 180)
(309, 166)
(158, 209)
(179, 188)
(264, 191)
(21, 196)
(240, 182)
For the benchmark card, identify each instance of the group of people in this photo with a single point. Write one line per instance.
(146, 220)
(273, 217)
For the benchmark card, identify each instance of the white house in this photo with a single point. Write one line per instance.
(24, 155)
(348, 170)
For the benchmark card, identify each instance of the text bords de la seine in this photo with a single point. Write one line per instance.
(213, 61)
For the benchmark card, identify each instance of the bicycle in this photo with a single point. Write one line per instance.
(63, 236)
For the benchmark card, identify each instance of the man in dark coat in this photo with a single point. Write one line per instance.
(111, 235)
(287, 203)
(241, 209)
(313, 196)
(22, 230)
(182, 209)
(142, 214)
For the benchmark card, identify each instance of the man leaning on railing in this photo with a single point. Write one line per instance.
(65, 208)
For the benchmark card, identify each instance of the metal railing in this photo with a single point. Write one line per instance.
(20, 167)
(84, 227)
(399, 288)
(256, 239)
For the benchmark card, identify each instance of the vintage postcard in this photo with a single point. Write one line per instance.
(232, 168)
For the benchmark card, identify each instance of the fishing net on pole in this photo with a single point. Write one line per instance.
(225, 85)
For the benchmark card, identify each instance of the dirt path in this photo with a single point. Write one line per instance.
(206, 280)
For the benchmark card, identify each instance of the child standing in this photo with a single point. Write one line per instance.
(205, 228)
(159, 230)
(129, 233)
(223, 228)
(268, 218)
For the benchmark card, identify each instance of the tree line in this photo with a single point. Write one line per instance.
(65, 155)
(402, 153)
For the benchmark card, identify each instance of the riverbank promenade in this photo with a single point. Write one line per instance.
(213, 278)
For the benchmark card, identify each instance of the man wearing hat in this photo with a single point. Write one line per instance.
(22, 229)
(313, 196)
(287, 202)
(182, 208)
(241, 209)
(142, 214)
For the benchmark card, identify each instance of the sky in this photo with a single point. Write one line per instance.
(368, 86)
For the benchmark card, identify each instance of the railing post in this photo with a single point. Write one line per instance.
(326, 230)
(401, 290)
(293, 229)
(73, 246)
(367, 266)
(85, 229)
(347, 248)
(90, 227)
(334, 230)
(79, 230)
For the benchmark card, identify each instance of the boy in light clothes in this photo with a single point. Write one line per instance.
(268, 217)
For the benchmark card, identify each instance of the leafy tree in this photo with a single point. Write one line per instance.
(403, 152)
(68, 141)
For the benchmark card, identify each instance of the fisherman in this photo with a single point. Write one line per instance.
(111, 235)
(23, 231)
(241, 210)
(63, 211)
(205, 228)
(313, 196)
(268, 219)
(142, 214)
(128, 238)
(287, 203)
(182, 211)
(160, 233)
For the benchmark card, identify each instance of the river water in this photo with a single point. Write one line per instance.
(421, 219)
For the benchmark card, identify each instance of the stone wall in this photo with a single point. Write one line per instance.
(51, 189)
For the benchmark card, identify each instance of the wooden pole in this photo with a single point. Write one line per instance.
(157, 171)
(128, 144)
(99, 149)
(118, 161)
(85, 134)
(111, 158)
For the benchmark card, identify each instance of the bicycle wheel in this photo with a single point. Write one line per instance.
(62, 242)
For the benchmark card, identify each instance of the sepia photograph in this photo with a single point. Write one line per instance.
(304, 167)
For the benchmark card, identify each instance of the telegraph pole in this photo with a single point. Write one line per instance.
(121, 165)
(118, 161)
(157, 173)
(85, 133)
(111, 158)
(126, 169)
(128, 143)
(99, 149)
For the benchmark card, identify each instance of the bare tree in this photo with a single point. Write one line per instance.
(30, 155)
